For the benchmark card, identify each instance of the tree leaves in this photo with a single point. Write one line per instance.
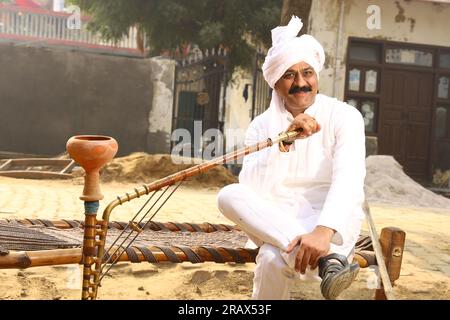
(237, 25)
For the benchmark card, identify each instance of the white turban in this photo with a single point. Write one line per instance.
(288, 49)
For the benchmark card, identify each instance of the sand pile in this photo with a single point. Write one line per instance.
(143, 167)
(387, 182)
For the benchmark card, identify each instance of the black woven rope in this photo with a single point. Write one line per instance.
(192, 256)
(35, 222)
(215, 254)
(180, 226)
(132, 256)
(196, 227)
(120, 225)
(161, 226)
(170, 254)
(364, 243)
(47, 223)
(235, 255)
(14, 236)
(72, 223)
(147, 253)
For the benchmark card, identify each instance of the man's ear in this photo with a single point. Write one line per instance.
(275, 87)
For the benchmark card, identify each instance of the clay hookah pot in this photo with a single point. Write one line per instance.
(92, 153)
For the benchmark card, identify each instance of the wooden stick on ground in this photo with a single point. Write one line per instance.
(388, 290)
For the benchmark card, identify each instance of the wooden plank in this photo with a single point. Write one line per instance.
(392, 242)
(68, 167)
(28, 168)
(30, 162)
(25, 174)
(6, 165)
(17, 155)
(28, 259)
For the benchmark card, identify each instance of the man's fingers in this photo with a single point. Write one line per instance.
(305, 262)
(293, 244)
(316, 126)
(314, 261)
(299, 258)
(296, 127)
(305, 128)
(305, 125)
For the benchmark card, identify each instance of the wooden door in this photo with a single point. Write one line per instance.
(189, 111)
(405, 119)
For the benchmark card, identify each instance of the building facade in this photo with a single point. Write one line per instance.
(391, 60)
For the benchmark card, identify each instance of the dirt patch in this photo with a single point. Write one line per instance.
(142, 167)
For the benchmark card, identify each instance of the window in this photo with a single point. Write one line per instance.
(368, 109)
(443, 87)
(354, 79)
(363, 80)
(371, 81)
(441, 122)
(368, 113)
(409, 56)
(365, 52)
(444, 60)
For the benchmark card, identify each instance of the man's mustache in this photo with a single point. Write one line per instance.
(298, 89)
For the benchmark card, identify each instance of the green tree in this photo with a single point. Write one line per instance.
(236, 25)
(300, 8)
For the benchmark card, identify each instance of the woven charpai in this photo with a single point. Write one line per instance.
(223, 243)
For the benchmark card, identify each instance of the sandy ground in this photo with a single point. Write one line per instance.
(425, 273)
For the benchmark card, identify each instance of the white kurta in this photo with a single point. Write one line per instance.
(321, 180)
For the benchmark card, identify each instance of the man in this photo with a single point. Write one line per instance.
(301, 201)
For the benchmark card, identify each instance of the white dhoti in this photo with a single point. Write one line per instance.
(271, 227)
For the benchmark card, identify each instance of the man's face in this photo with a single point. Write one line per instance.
(298, 87)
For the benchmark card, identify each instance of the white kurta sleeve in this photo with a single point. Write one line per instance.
(346, 192)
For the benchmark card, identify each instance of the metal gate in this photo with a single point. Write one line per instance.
(199, 97)
(261, 91)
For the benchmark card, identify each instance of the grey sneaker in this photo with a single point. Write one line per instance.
(337, 275)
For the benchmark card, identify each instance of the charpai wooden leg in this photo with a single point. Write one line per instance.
(392, 242)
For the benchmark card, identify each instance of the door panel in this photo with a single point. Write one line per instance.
(405, 119)
(188, 112)
(393, 133)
